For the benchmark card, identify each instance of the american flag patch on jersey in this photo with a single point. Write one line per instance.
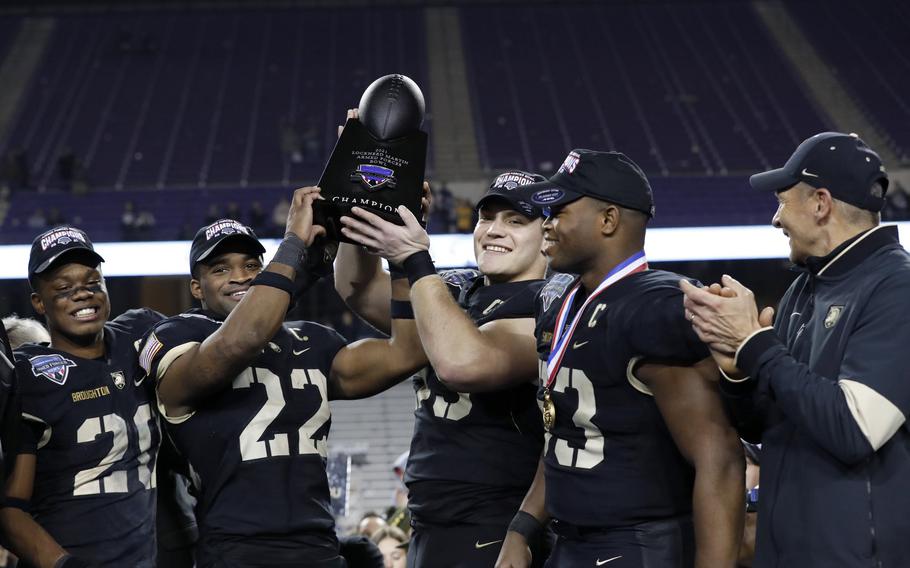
(152, 346)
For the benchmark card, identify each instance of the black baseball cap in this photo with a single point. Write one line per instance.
(608, 176)
(59, 243)
(212, 236)
(841, 163)
(504, 186)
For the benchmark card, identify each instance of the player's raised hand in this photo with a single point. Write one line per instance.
(300, 215)
(515, 552)
(390, 241)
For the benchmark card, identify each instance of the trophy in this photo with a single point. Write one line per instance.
(378, 162)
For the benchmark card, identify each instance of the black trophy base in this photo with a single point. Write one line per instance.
(377, 175)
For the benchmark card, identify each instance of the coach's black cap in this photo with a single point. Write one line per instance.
(841, 163)
(608, 176)
(504, 186)
(210, 237)
(51, 246)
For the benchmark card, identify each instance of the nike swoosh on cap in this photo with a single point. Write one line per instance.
(807, 173)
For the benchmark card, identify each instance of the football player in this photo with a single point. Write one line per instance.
(477, 434)
(641, 467)
(9, 404)
(245, 395)
(82, 491)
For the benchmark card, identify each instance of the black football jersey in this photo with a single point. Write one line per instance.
(93, 427)
(9, 406)
(257, 449)
(473, 456)
(610, 460)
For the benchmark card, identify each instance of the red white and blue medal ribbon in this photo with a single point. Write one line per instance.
(562, 336)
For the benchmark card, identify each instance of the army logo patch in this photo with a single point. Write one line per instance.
(54, 368)
(833, 315)
(119, 379)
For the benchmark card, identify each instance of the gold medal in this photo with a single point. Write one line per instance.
(549, 411)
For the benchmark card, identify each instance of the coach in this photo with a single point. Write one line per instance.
(827, 389)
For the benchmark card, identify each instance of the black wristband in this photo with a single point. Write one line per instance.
(68, 561)
(21, 504)
(396, 272)
(527, 526)
(402, 309)
(274, 280)
(418, 265)
(291, 252)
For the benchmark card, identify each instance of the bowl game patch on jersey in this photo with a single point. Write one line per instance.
(53, 367)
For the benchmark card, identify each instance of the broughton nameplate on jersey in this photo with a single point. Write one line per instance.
(379, 160)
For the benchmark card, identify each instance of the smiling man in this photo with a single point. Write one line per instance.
(82, 491)
(245, 396)
(827, 388)
(640, 466)
(477, 432)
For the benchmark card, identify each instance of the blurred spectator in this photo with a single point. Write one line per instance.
(66, 167)
(125, 40)
(360, 552)
(401, 490)
(14, 171)
(897, 203)
(398, 514)
(145, 225)
(37, 220)
(4, 203)
(186, 232)
(369, 523)
(290, 142)
(747, 547)
(147, 44)
(128, 222)
(55, 218)
(214, 213)
(72, 172)
(464, 216)
(442, 211)
(392, 543)
(233, 211)
(312, 145)
(257, 219)
(280, 216)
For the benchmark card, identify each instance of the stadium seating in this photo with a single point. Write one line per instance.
(683, 89)
(866, 44)
(194, 102)
(9, 26)
(374, 431)
(200, 99)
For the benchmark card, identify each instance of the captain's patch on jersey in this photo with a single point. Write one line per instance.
(54, 367)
